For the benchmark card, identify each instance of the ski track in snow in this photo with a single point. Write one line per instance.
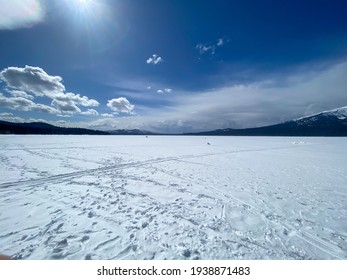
(131, 197)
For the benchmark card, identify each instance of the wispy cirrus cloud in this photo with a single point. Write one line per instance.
(165, 90)
(210, 48)
(204, 48)
(220, 42)
(168, 90)
(107, 115)
(255, 104)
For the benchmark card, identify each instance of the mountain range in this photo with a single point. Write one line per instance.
(326, 123)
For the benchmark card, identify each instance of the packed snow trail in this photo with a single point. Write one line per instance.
(126, 197)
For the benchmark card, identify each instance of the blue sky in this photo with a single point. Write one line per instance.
(171, 66)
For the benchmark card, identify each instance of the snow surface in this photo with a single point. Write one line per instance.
(132, 197)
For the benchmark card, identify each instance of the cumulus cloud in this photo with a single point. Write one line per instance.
(20, 13)
(66, 107)
(120, 104)
(6, 115)
(35, 80)
(23, 104)
(154, 59)
(14, 102)
(32, 79)
(71, 98)
(9, 117)
(90, 112)
(159, 91)
(20, 93)
(44, 109)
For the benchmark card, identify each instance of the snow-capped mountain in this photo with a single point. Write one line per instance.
(326, 123)
(339, 113)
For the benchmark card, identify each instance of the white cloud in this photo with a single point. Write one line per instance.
(20, 93)
(6, 115)
(23, 104)
(44, 109)
(70, 97)
(168, 90)
(209, 48)
(20, 13)
(120, 104)
(220, 42)
(32, 79)
(165, 90)
(9, 117)
(90, 112)
(36, 81)
(12, 118)
(154, 59)
(204, 48)
(245, 105)
(67, 102)
(66, 107)
(149, 87)
(107, 115)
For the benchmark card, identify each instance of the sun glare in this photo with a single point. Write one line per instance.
(84, 2)
(95, 20)
(81, 5)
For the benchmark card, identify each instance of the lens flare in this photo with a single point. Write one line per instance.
(21, 13)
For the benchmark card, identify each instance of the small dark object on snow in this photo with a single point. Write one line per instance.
(186, 253)
(208, 143)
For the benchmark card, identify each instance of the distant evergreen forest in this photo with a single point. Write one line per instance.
(44, 128)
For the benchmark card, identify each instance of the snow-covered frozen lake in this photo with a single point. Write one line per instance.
(161, 197)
